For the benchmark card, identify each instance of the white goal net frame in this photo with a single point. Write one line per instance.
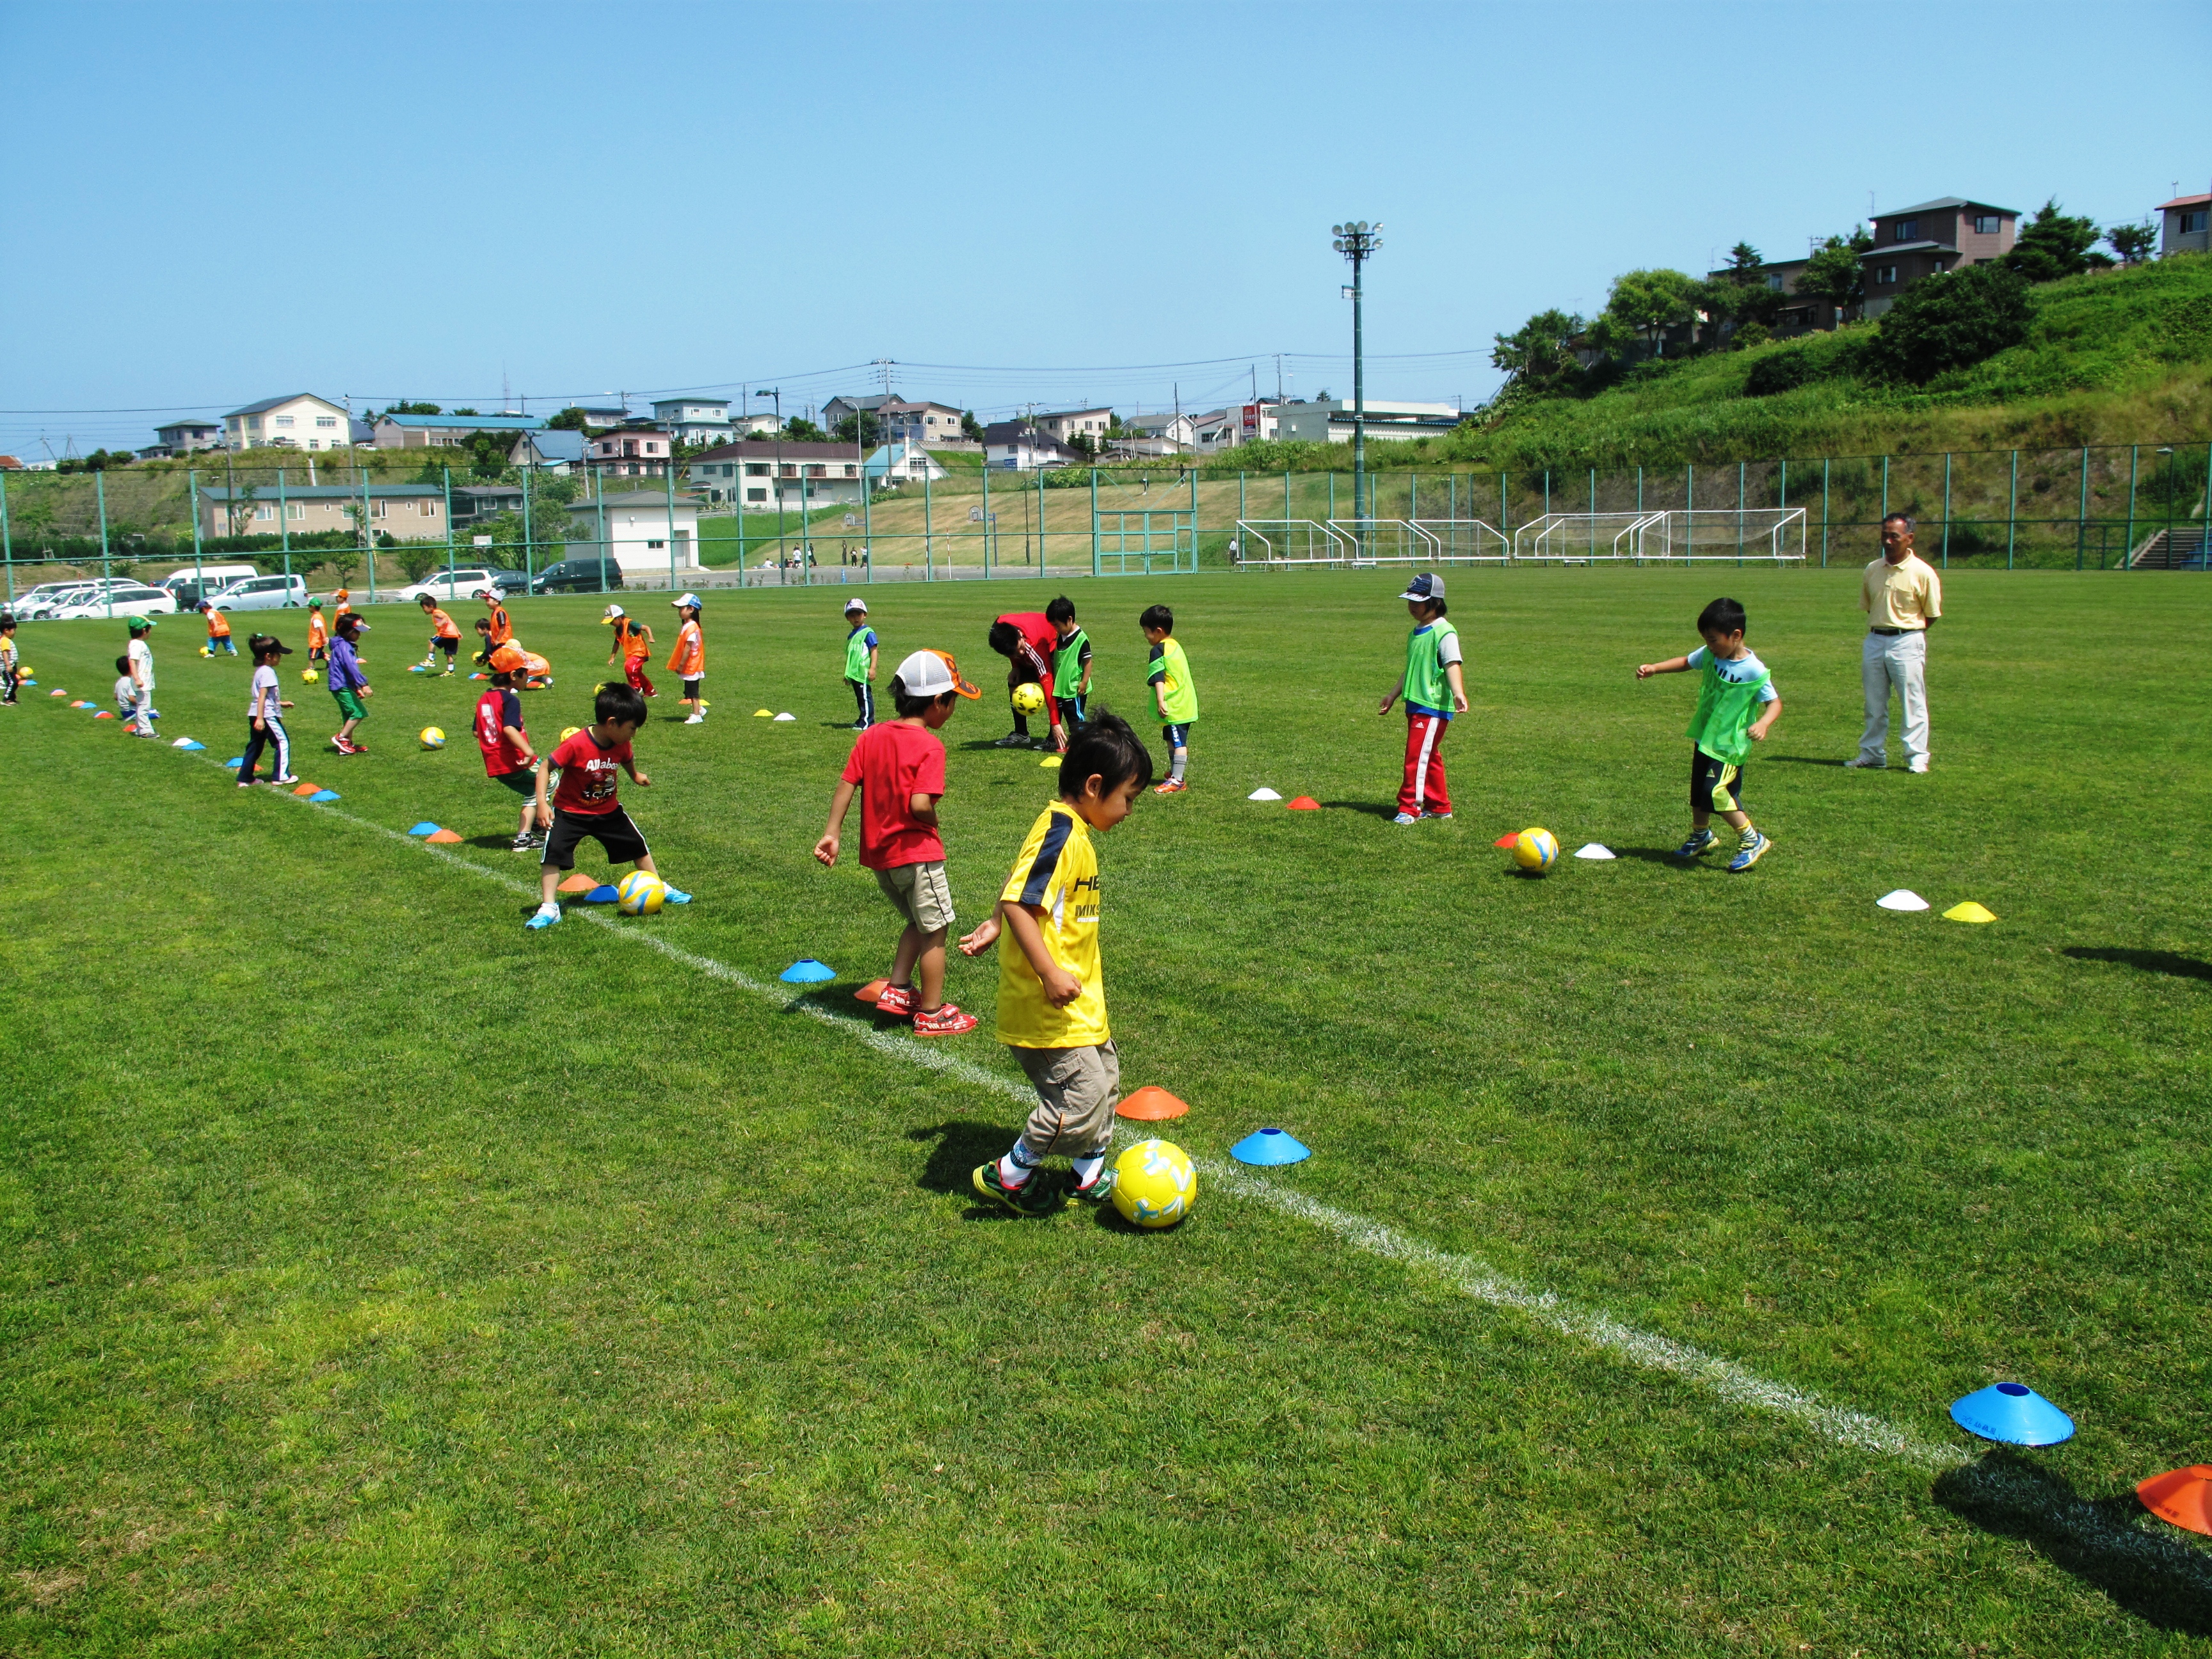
(1703, 535)
(1276, 544)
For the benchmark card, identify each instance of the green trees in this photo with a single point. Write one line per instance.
(1539, 355)
(1643, 305)
(2133, 243)
(2052, 245)
(1834, 273)
(970, 428)
(570, 419)
(860, 428)
(800, 430)
(1952, 322)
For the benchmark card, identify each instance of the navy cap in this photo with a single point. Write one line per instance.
(1425, 588)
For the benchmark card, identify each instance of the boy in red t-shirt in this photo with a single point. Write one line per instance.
(898, 766)
(585, 806)
(506, 755)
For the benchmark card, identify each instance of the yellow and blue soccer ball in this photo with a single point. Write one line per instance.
(1155, 1183)
(641, 893)
(1030, 699)
(432, 738)
(1535, 851)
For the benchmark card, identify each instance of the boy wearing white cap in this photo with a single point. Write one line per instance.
(633, 642)
(898, 767)
(1434, 690)
(860, 661)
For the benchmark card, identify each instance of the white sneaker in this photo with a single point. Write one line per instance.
(1859, 761)
(1919, 765)
(696, 719)
(548, 913)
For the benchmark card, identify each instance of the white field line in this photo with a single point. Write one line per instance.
(1723, 1378)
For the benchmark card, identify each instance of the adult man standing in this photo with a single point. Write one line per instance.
(1901, 594)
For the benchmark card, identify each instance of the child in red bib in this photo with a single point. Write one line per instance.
(584, 807)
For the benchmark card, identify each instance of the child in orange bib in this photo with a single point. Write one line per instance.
(688, 659)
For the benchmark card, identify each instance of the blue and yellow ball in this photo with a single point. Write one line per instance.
(1155, 1184)
(641, 893)
(1535, 851)
(432, 738)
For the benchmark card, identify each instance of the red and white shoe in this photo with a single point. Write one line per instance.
(948, 1021)
(896, 999)
(1172, 786)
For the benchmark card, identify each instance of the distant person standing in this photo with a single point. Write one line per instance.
(1902, 595)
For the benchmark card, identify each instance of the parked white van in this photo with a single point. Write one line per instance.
(187, 586)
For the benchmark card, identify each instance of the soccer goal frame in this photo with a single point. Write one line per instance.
(1363, 543)
(1719, 535)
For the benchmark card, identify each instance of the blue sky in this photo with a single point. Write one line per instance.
(210, 204)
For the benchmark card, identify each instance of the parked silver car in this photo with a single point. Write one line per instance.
(132, 601)
(262, 593)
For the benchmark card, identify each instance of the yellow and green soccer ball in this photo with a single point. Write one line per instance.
(1535, 851)
(307, 676)
(568, 732)
(1155, 1183)
(1030, 699)
(432, 738)
(641, 893)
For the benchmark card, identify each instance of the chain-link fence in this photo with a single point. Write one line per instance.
(386, 525)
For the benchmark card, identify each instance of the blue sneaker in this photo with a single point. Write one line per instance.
(1700, 841)
(672, 896)
(546, 916)
(1404, 818)
(1748, 851)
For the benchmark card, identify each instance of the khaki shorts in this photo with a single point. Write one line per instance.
(920, 893)
(1076, 1092)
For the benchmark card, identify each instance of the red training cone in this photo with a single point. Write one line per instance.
(579, 883)
(1303, 804)
(1507, 842)
(2181, 1496)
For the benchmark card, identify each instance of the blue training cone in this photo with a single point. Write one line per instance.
(236, 760)
(1266, 1146)
(326, 794)
(189, 746)
(602, 893)
(2012, 1412)
(807, 971)
(425, 828)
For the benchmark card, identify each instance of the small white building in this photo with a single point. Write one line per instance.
(182, 437)
(920, 422)
(1330, 420)
(447, 431)
(1067, 424)
(1018, 446)
(641, 532)
(901, 463)
(1178, 431)
(300, 421)
(2185, 225)
(631, 452)
(759, 475)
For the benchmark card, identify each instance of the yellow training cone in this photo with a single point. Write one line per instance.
(763, 714)
(1969, 911)
(1051, 761)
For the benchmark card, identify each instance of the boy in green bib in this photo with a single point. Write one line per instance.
(1071, 664)
(1173, 692)
(861, 662)
(1736, 684)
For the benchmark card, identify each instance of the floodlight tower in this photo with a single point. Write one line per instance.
(1356, 240)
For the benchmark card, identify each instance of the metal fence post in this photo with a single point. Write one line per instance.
(1946, 509)
(368, 530)
(1825, 463)
(1739, 466)
(1689, 512)
(1241, 516)
(1885, 486)
(2081, 514)
(284, 522)
(2011, 509)
(1040, 472)
(530, 571)
(986, 510)
(106, 574)
(2204, 537)
(1192, 476)
(2127, 547)
(446, 474)
(668, 478)
(1593, 513)
(7, 543)
(192, 487)
(868, 515)
(928, 531)
(599, 491)
(1094, 520)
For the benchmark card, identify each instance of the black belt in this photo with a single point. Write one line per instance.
(1893, 630)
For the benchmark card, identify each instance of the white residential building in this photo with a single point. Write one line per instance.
(642, 534)
(1330, 420)
(695, 420)
(1018, 446)
(1067, 424)
(300, 420)
(745, 474)
(2185, 225)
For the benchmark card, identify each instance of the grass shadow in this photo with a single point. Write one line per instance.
(2151, 962)
(1663, 856)
(2101, 1541)
(1373, 809)
(491, 843)
(1797, 760)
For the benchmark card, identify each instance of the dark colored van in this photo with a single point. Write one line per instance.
(580, 576)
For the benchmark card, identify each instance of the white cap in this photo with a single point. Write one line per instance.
(690, 600)
(613, 611)
(931, 674)
(860, 606)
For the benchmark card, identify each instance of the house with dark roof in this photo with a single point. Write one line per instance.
(298, 421)
(1018, 447)
(550, 450)
(408, 512)
(839, 408)
(2185, 225)
(446, 431)
(182, 437)
(1929, 238)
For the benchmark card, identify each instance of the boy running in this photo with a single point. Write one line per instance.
(218, 626)
(318, 635)
(899, 769)
(1722, 731)
(1029, 641)
(11, 671)
(348, 685)
(633, 642)
(265, 713)
(688, 661)
(861, 662)
(1052, 997)
(585, 804)
(1071, 662)
(507, 758)
(1434, 686)
(140, 655)
(444, 637)
(1173, 694)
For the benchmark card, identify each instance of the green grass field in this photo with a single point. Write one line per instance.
(383, 1279)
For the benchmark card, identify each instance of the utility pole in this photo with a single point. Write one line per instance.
(1357, 241)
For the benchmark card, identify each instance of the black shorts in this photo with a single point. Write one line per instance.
(523, 781)
(1715, 785)
(1070, 711)
(690, 690)
(612, 830)
(447, 646)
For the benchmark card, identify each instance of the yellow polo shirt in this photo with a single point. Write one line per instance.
(1907, 595)
(1056, 871)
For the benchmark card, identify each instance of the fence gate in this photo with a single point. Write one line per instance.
(1145, 541)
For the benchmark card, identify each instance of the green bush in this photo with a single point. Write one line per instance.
(1780, 371)
(1951, 322)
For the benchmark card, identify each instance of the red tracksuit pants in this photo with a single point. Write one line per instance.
(634, 670)
(1424, 790)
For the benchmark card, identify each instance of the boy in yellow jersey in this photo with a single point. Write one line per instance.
(1173, 693)
(1052, 993)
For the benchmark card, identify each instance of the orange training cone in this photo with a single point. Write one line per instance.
(443, 837)
(1304, 804)
(872, 991)
(1151, 1105)
(2181, 1496)
(308, 789)
(1507, 842)
(579, 883)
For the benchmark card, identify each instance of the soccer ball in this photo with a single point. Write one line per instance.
(1535, 851)
(207, 651)
(432, 737)
(307, 677)
(641, 893)
(1029, 699)
(568, 732)
(1154, 1184)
